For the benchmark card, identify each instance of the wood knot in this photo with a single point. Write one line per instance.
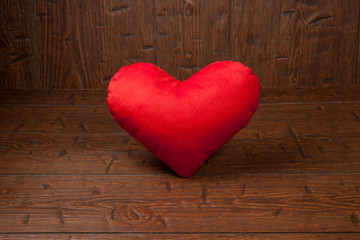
(33, 144)
(189, 8)
(96, 191)
(133, 214)
(278, 212)
(354, 218)
(324, 139)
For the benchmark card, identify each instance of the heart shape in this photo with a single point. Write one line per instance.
(183, 122)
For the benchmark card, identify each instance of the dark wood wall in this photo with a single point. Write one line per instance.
(80, 44)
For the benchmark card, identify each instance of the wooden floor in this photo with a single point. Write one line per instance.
(67, 171)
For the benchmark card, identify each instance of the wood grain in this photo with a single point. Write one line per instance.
(68, 171)
(276, 203)
(120, 154)
(281, 138)
(191, 34)
(83, 43)
(182, 236)
(84, 119)
(297, 43)
(314, 94)
(98, 97)
(57, 97)
(17, 50)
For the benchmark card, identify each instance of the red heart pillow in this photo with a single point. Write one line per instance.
(183, 122)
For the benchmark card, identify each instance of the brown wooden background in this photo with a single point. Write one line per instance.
(68, 171)
(80, 44)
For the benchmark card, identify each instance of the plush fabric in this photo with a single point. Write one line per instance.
(183, 122)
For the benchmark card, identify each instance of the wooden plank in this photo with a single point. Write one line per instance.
(58, 119)
(98, 97)
(297, 43)
(86, 154)
(83, 119)
(275, 203)
(120, 154)
(318, 94)
(53, 97)
(299, 138)
(83, 43)
(17, 55)
(187, 38)
(172, 236)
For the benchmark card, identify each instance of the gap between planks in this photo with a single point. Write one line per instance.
(194, 176)
(101, 105)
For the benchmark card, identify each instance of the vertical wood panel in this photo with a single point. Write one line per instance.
(130, 34)
(17, 58)
(83, 43)
(191, 35)
(297, 43)
(358, 59)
